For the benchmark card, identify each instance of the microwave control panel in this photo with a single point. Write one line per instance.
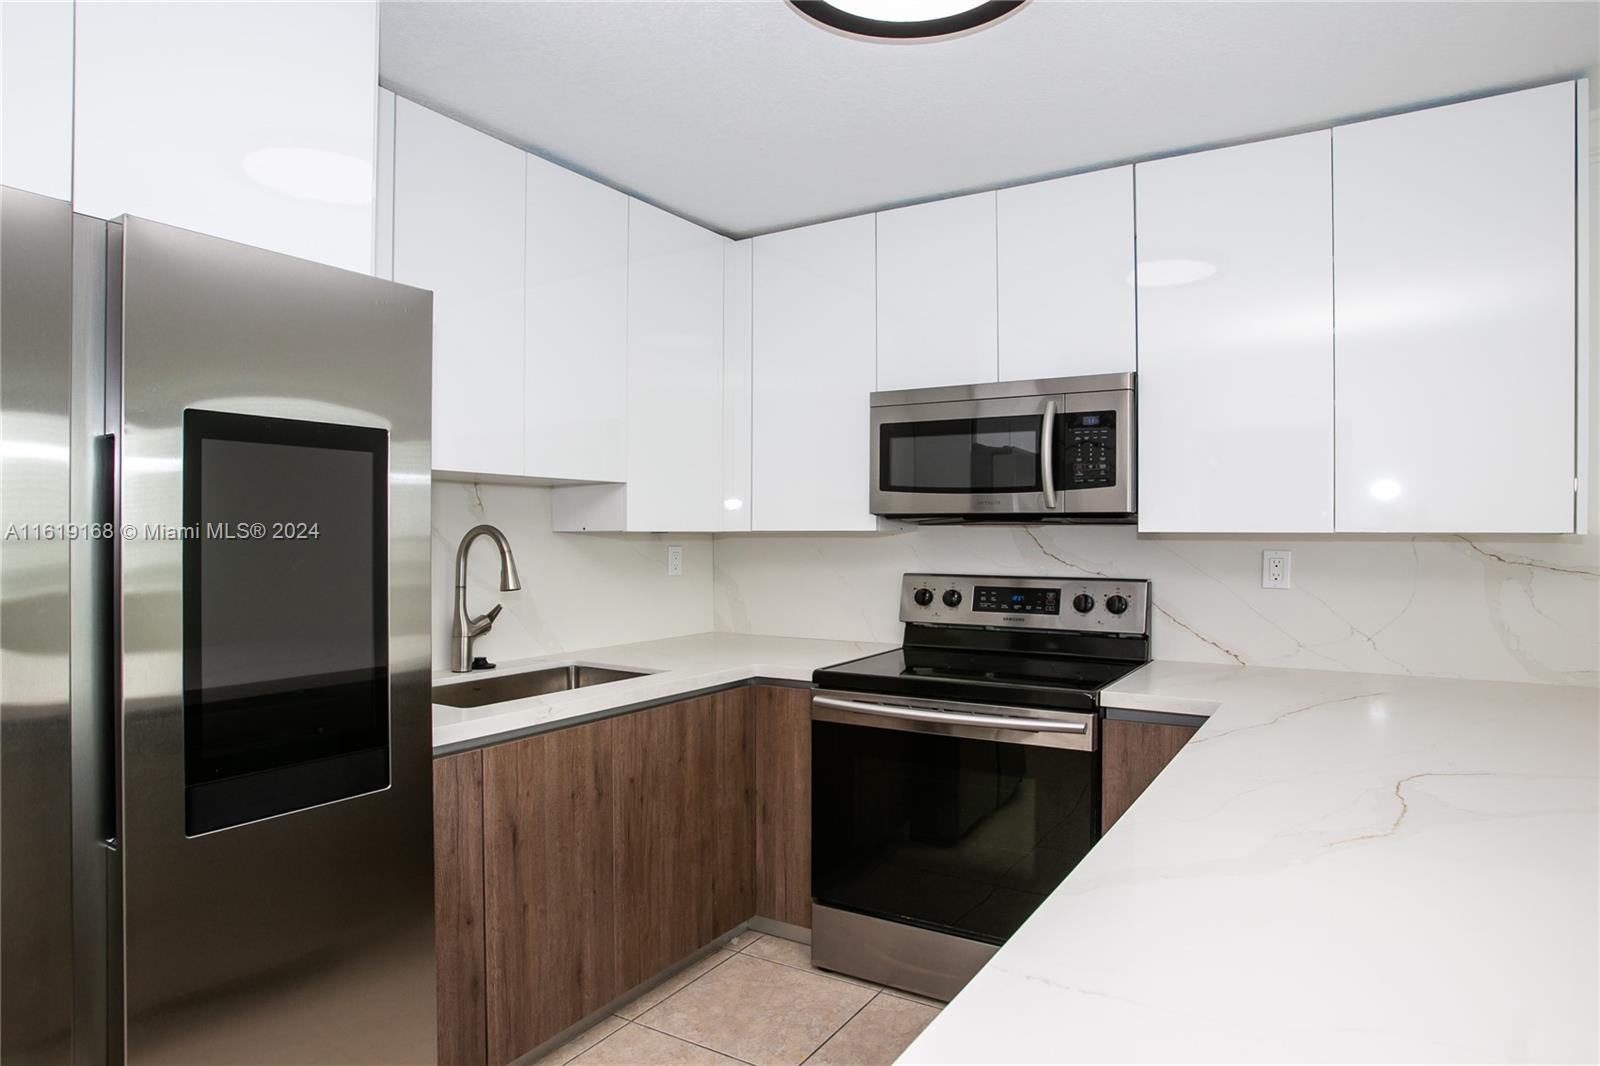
(1089, 450)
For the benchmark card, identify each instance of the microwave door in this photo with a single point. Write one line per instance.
(966, 458)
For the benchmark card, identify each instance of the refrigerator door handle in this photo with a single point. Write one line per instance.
(108, 640)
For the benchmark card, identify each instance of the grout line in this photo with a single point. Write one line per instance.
(703, 1047)
(839, 1030)
(596, 1044)
(675, 991)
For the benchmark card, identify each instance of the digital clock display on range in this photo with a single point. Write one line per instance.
(996, 600)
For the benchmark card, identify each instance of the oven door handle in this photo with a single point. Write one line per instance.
(930, 714)
(1047, 458)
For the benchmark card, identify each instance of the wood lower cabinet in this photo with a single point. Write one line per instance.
(781, 718)
(549, 845)
(1132, 754)
(458, 907)
(573, 865)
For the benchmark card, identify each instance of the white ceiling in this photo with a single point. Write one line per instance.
(746, 118)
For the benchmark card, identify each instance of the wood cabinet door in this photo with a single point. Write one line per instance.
(549, 883)
(458, 907)
(683, 831)
(1132, 754)
(781, 720)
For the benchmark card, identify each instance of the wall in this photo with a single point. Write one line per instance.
(579, 590)
(1520, 610)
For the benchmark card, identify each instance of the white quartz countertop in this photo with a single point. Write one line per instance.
(1339, 867)
(677, 666)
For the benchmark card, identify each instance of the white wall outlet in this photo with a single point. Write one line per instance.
(1274, 570)
(674, 560)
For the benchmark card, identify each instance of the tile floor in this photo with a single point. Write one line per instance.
(758, 1001)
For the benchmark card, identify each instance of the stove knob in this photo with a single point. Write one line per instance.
(1083, 603)
(923, 597)
(1116, 604)
(952, 598)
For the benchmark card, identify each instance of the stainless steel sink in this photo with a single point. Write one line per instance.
(481, 691)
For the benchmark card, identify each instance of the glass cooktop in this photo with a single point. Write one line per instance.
(978, 677)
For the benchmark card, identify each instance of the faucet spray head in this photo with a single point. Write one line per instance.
(509, 581)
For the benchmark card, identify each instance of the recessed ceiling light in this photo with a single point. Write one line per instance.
(905, 20)
(312, 174)
(1159, 273)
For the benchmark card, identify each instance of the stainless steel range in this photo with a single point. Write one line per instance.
(956, 780)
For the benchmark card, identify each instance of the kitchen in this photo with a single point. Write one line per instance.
(1051, 532)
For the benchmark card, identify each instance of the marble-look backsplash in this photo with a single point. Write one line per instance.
(1516, 609)
(579, 590)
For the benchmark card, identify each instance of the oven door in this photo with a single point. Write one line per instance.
(956, 818)
(966, 457)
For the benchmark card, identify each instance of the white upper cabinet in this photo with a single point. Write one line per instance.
(737, 278)
(459, 230)
(249, 121)
(674, 386)
(1456, 354)
(577, 326)
(1066, 276)
(936, 294)
(814, 375)
(1236, 339)
(36, 98)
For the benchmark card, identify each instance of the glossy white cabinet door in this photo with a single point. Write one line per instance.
(36, 98)
(675, 282)
(1456, 351)
(577, 326)
(936, 293)
(1066, 276)
(253, 121)
(813, 376)
(458, 230)
(1236, 368)
(737, 278)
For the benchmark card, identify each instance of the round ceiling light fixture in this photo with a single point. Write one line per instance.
(905, 20)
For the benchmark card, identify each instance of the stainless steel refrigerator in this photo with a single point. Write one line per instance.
(215, 754)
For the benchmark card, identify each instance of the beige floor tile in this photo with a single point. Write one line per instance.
(634, 1045)
(743, 940)
(877, 1035)
(582, 1042)
(673, 983)
(927, 1001)
(791, 953)
(759, 1011)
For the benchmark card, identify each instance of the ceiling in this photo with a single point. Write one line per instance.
(746, 118)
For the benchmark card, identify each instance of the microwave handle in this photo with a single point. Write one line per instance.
(1047, 458)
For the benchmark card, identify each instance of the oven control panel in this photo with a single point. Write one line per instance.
(1082, 605)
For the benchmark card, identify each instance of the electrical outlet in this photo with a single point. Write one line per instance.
(674, 560)
(1274, 570)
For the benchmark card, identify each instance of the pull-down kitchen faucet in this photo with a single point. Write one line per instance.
(465, 629)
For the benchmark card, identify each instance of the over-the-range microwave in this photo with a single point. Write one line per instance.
(1052, 450)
